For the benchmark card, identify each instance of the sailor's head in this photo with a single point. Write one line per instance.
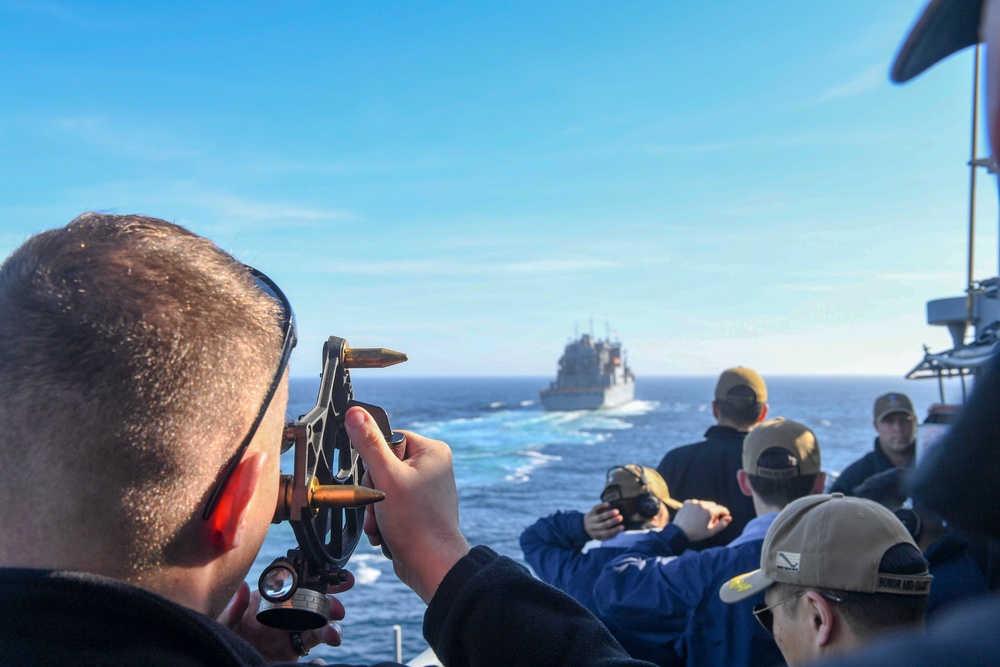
(149, 350)
(640, 494)
(740, 398)
(835, 572)
(781, 462)
(894, 421)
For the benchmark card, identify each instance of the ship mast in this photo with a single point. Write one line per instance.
(973, 164)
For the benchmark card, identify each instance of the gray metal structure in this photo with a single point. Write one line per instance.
(979, 309)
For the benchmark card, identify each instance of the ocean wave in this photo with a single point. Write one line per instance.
(361, 566)
(506, 444)
(634, 408)
(678, 407)
(535, 461)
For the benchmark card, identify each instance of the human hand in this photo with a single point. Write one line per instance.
(602, 522)
(418, 520)
(701, 519)
(276, 645)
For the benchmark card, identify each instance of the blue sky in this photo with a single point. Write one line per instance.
(723, 183)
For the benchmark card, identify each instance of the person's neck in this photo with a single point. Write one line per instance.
(742, 428)
(761, 508)
(845, 642)
(190, 587)
(898, 459)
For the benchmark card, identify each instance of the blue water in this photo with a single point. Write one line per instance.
(514, 462)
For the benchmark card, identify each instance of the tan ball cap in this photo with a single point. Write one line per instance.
(786, 434)
(886, 404)
(829, 541)
(740, 377)
(630, 481)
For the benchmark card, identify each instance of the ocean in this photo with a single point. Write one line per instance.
(515, 462)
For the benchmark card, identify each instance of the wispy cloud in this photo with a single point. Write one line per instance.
(871, 79)
(928, 276)
(128, 141)
(468, 268)
(70, 16)
(802, 287)
(224, 205)
(560, 265)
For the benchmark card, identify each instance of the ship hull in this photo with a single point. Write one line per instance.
(587, 398)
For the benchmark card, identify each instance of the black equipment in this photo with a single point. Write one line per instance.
(647, 505)
(911, 520)
(322, 498)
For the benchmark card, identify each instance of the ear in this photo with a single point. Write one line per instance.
(763, 413)
(227, 521)
(744, 482)
(715, 409)
(820, 484)
(822, 620)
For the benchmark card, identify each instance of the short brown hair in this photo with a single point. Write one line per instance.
(779, 491)
(135, 356)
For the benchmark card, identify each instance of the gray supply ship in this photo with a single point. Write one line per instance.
(593, 374)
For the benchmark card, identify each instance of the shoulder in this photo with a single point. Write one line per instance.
(682, 451)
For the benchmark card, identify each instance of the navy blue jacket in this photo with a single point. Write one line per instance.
(554, 548)
(650, 597)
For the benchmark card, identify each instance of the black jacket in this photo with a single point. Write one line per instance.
(868, 465)
(707, 471)
(957, 577)
(488, 610)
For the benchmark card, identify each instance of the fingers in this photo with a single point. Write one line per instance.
(700, 519)
(368, 440)
(371, 522)
(330, 634)
(234, 611)
(603, 522)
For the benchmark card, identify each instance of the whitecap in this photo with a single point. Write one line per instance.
(365, 574)
(633, 408)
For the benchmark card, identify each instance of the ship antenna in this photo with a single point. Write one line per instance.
(972, 189)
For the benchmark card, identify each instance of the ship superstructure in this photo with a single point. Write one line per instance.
(593, 374)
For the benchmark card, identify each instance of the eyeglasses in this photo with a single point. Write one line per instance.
(765, 616)
(268, 287)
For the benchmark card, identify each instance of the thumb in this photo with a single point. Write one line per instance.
(369, 441)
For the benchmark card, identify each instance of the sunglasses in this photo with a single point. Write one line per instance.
(268, 287)
(765, 616)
